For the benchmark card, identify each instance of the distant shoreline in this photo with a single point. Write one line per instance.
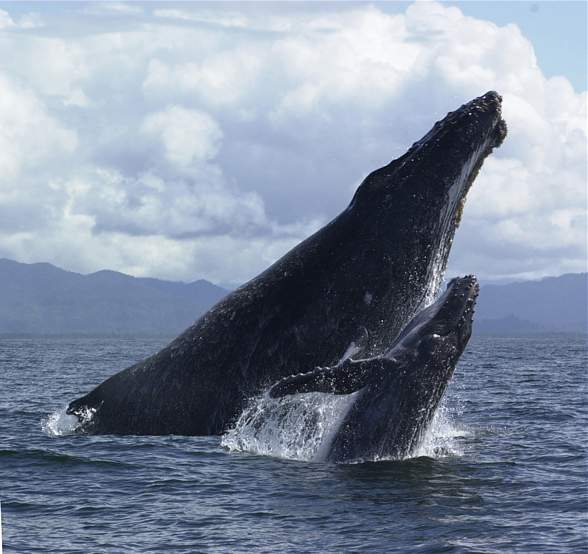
(41, 300)
(170, 336)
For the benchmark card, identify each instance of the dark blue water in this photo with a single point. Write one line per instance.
(508, 473)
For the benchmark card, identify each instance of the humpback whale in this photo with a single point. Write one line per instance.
(350, 287)
(397, 392)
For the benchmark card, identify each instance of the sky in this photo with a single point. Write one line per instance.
(204, 140)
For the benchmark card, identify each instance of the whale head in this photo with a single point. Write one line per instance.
(404, 217)
(396, 394)
(445, 161)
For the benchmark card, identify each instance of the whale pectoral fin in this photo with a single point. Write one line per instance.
(342, 379)
(331, 380)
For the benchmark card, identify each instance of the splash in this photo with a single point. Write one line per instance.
(302, 427)
(59, 423)
(298, 427)
(442, 437)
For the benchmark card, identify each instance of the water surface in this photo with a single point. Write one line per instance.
(505, 472)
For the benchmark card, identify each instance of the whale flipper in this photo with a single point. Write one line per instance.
(348, 377)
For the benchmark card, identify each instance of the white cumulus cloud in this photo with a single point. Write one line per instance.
(188, 136)
(30, 136)
(206, 141)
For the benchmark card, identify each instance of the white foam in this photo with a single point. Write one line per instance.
(297, 427)
(442, 437)
(59, 423)
(302, 427)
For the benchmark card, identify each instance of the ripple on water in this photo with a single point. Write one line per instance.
(498, 471)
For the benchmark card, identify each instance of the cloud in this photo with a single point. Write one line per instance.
(198, 204)
(115, 8)
(26, 21)
(30, 137)
(223, 17)
(51, 67)
(5, 20)
(206, 142)
(188, 136)
(222, 79)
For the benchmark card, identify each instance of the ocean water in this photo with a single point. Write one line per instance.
(503, 469)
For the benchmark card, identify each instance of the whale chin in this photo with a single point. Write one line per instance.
(354, 286)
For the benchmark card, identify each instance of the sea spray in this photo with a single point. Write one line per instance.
(298, 427)
(59, 423)
(441, 438)
(302, 427)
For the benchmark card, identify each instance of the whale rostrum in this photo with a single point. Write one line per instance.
(350, 287)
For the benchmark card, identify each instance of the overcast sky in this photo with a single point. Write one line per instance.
(188, 141)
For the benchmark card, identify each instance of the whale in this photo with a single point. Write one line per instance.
(396, 394)
(348, 289)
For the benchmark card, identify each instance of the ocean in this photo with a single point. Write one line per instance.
(502, 469)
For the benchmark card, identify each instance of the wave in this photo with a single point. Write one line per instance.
(53, 457)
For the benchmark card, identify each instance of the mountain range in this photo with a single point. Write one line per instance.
(553, 304)
(43, 299)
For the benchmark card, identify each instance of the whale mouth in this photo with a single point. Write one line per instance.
(463, 294)
(457, 314)
(452, 313)
(455, 147)
(465, 137)
(492, 102)
(475, 127)
(475, 122)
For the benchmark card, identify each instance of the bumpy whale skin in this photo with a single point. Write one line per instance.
(353, 285)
